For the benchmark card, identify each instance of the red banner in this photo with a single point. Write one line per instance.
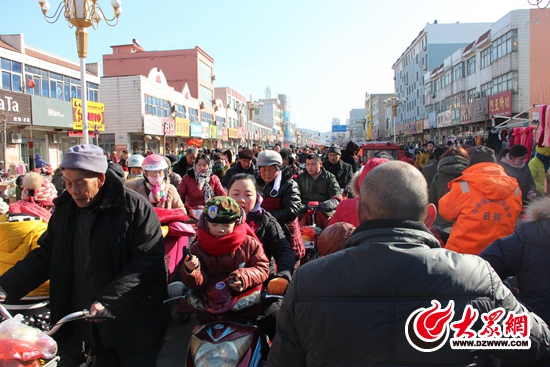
(501, 104)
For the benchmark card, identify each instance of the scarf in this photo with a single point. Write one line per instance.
(544, 159)
(276, 185)
(157, 194)
(225, 245)
(255, 213)
(203, 181)
(506, 159)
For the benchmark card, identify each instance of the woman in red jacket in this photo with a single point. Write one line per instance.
(199, 185)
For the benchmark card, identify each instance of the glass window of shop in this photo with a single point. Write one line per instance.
(57, 86)
(11, 75)
(107, 142)
(486, 57)
(487, 89)
(193, 115)
(205, 72)
(205, 95)
(502, 84)
(180, 111)
(157, 107)
(471, 95)
(471, 65)
(220, 121)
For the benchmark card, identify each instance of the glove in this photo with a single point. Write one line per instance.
(328, 205)
(175, 289)
(97, 309)
(303, 209)
(277, 286)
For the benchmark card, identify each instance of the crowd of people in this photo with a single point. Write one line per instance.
(446, 223)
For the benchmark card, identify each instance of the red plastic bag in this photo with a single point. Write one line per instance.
(21, 342)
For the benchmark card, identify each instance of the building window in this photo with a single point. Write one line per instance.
(487, 89)
(93, 92)
(502, 84)
(157, 107)
(205, 72)
(11, 75)
(436, 85)
(471, 65)
(486, 57)
(458, 71)
(220, 121)
(205, 95)
(503, 45)
(180, 111)
(57, 86)
(471, 95)
(207, 117)
(193, 115)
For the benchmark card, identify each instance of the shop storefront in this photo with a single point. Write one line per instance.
(15, 118)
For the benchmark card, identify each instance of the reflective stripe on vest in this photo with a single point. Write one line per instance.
(464, 186)
(517, 191)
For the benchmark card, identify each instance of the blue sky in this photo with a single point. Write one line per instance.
(325, 54)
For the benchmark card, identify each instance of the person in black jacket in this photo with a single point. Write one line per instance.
(244, 165)
(243, 189)
(102, 251)
(390, 270)
(281, 198)
(349, 155)
(341, 170)
(186, 162)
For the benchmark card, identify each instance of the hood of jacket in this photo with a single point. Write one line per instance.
(452, 165)
(489, 179)
(392, 231)
(538, 210)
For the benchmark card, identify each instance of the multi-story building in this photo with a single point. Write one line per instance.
(501, 73)
(377, 127)
(40, 105)
(356, 124)
(428, 50)
(233, 110)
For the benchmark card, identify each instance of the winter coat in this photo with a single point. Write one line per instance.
(288, 193)
(537, 167)
(182, 167)
(189, 191)
(324, 187)
(484, 203)
(526, 253)
(388, 270)
(127, 255)
(250, 253)
(343, 175)
(422, 160)
(173, 200)
(350, 159)
(275, 245)
(448, 169)
(429, 171)
(524, 177)
(17, 239)
(237, 168)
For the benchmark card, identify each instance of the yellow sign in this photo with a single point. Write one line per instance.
(182, 127)
(233, 133)
(95, 115)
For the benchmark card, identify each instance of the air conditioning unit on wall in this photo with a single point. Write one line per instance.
(15, 138)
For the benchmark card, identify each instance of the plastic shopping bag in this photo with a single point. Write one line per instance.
(21, 342)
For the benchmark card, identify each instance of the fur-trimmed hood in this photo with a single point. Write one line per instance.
(538, 210)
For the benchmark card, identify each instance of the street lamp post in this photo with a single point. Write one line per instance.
(251, 106)
(82, 14)
(393, 102)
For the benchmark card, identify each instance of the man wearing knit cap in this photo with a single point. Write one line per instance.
(340, 169)
(102, 251)
(484, 204)
(244, 165)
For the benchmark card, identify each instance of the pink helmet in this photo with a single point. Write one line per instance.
(154, 162)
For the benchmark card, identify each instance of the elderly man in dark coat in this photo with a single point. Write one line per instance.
(102, 251)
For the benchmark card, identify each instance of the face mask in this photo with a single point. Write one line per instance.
(218, 166)
(155, 181)
(136, 176)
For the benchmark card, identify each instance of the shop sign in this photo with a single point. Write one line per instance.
(205, 130)
(182, 127)
(17, 106)
(219, 134)
(196, 130)
(466, 114)
(501, 104)
(233, 133)
(241, 133)
(480, 110)
(444, 119)
(52, 112)
(426, 124)
(455, 116)
(225, 134)
(169, 126)
(95, 115)
(419, 126)
(412, 127)
(213, 131)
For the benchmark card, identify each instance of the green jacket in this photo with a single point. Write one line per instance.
(322, 188)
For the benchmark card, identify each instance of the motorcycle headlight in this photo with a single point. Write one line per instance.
(226, 354)
(194, 301)
(247, 301)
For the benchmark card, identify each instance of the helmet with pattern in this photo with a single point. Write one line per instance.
(222, 209)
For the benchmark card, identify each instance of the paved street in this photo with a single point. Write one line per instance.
(177, 340)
